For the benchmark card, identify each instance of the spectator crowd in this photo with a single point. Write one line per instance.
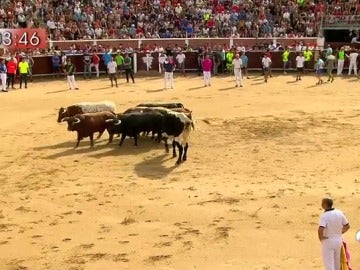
(110, 19)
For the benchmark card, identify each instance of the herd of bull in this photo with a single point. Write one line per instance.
(164, 121)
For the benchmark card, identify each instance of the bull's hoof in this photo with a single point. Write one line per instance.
(178, 163)
(184, 159)
(167, 150)
(174, 155)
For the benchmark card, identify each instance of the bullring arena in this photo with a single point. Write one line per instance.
(248, 197)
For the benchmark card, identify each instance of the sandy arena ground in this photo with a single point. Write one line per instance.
(260, 160)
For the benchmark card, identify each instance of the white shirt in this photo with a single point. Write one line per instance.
(237, 63)
(353, 57)
(300, 61)
(112, 67)
(180, 58)
(266, 61)
(162, 59)
(333, 221)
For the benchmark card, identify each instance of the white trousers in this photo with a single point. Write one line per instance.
(71, 81)
(238, 76)
(96, 68)
(331, 249)
(169, 76)
(207, 78)
(3, 80)
(340, 67)
(352, 66)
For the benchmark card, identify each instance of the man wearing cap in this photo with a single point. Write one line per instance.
(333, 224)
(3, 72)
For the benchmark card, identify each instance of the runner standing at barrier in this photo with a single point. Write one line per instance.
(352, 65)
(3, 73)
(285, 58)
(95, 60)
(119, 59)
(180, 58)
(319, 70)
(87, 63)
(207, 65)
(23, 72)
(237, 63)
(244, 65)
(341, 60)
(70, 70)
(169, 67)
(128, 68)
(307, 57)
(112, 67)
(300, 60)
(11, 72)
(330, 65)
(266, 63)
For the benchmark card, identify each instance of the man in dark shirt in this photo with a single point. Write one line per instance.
(70, 70)
(128, 68)
(169, 67)
(87, 63)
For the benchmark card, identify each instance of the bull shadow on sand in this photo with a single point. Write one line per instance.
(145, 144)
(153, 168)
(100, 147)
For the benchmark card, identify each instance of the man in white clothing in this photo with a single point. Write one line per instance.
(112, 67)
(3, 72)
(180, 58)
(300, 60)
(333, 224)
(162, 58)
(353, 64)
(266, 62)
(237, 63)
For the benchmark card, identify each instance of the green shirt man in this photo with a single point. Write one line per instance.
(119, 59)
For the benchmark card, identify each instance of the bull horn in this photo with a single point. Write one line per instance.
(65, 119)
(109, 120)
(77, 121)
(118, 122)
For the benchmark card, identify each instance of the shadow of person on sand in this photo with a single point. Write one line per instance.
(196, 88)
(153, 168)
(155, 90)
(228, 88)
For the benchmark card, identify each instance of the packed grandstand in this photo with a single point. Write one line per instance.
(105, 19)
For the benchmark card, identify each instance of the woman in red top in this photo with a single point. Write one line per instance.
(11, 72)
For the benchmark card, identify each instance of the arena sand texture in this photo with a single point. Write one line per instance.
(260, 160)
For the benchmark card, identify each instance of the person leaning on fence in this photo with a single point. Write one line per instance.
(244, 64)
(285, 58)
(87, 63)
(70, 70)
(23, 72)
(30, 61)
(3, 75)
(112, 67)
(169, 67)
(128, 66)
(56, 64)
(11, 72)
(95, 60)
(180, 59)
